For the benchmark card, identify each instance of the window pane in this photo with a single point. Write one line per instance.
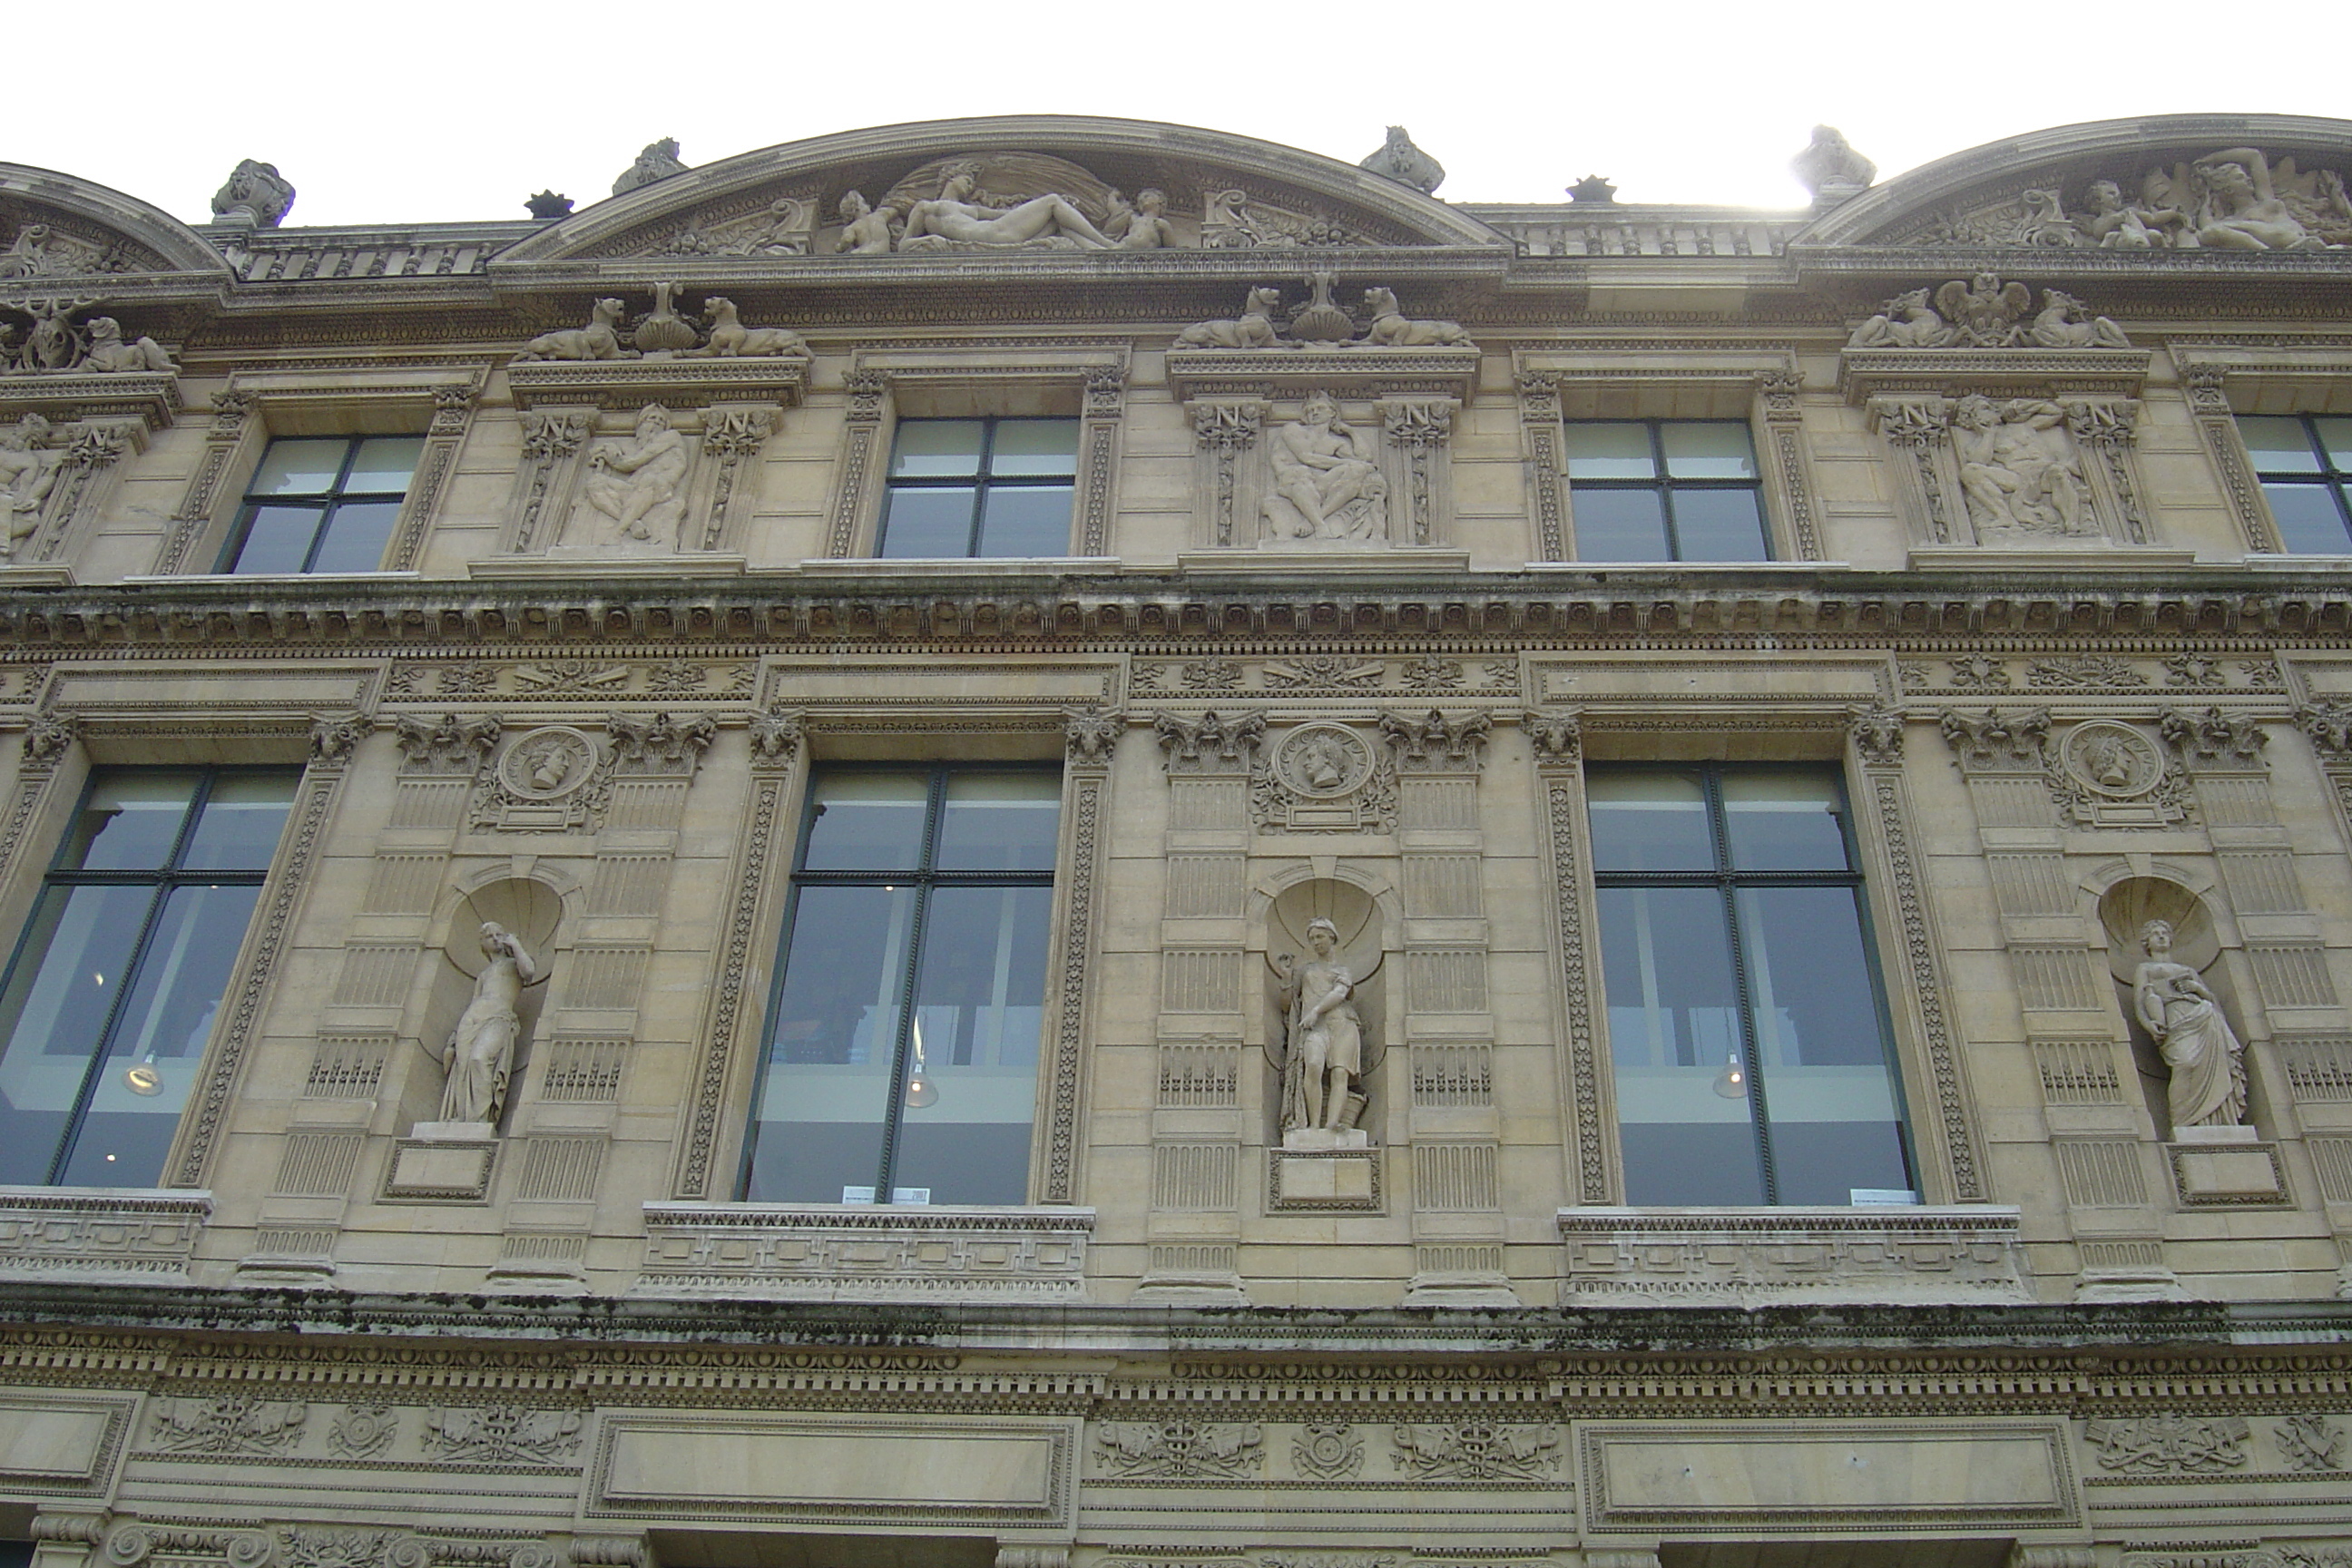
(1648, 820)
(1620, 525)
(241, 820)
(67, 977)
(978, 1010)
(2336, 435)
(1707, 450)
(385, 463)
(277, 539)
(160, 1037)
(1041, 447)
(826, 1089)
(2278, 445)
(1026, 520)
(931, 524)
(1712, 525)
(356, 536)
(1605, 451)
(1673, 1027)
(867, 822)
(2307, 518)
(130, 821)
(1784, 819)
(1000, 822)
(299, 467)
(936, 447)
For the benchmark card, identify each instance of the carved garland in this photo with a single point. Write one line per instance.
(1785, 419)
(1060, 1185)
(1539, 418)
(1557, 752)
(867, 388)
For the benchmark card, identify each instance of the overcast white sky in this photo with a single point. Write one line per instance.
(430, 109)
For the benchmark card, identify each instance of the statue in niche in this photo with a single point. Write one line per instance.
(27, 471)
(2018, 466)
(1324, 1056)
(863, 231)
(955, 215)
(479, 1055)
(2207, 1061)
(634, 482)
(1327, 487)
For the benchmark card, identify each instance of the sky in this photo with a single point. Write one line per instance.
(432, 110)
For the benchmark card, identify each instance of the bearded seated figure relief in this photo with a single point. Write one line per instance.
(1327, 488)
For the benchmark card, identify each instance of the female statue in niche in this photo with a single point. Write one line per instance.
(480, 1053)
(2207, 1061)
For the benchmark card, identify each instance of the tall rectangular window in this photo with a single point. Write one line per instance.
(901, 1060)
(113, 990)
(2304, 464)
(980, 488)
(1665, 489)
(1744, 1019)
(322, 505)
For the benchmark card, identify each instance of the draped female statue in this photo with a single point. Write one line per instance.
(2208, 1064)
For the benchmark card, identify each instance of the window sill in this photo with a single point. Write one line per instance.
(958, 565)
(1792, 1256)
(143, 1236)
(255, 579)
(864, 1252)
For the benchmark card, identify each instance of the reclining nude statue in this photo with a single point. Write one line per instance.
(951, 216)
(479, 1054)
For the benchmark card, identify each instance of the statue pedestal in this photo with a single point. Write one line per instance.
(1323, 1141)
(1330, 1179)
(442, 1162)
(2226, 1172)
(2216, 1135)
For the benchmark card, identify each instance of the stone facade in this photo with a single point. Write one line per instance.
(1351, 650)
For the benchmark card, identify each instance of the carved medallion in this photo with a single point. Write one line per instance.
(2109, 774)
(548, 764)
(553, 780)
(1323, 761)
(1324, 777)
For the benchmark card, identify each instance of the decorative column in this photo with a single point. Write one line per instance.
(552, 439)
(1105, 407)
(2209, 404)
(762, 849)
(1539, 428)
(1455, 1134)
(453, 408)
(1784, 422)
(1223, 428)
(1557, 738)
(868, 394)
(1918, 429)
(2318, 1065)
(1193, 1228)
(232, 411)
(2105, 431)
(1417, 429)
(730, 436)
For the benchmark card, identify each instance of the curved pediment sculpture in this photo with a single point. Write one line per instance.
(1006, 185)
(55, 226)
(2253, 182)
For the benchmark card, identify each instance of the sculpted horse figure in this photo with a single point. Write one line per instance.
(1392, 329)
(1253, 330)
(730, 339)
(600, 339)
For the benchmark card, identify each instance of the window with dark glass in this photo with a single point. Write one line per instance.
(114, 984)
(1746, 1022)
(2304, 464)
(901, 1059)
(1665, 489)
(322, 505)
(979, 487)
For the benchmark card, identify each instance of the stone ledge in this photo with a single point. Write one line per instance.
(1791, 1256)
(858, 1252)
(142, 1234)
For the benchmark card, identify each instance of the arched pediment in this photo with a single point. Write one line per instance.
(1221, 192)
(56, 226)
(2241, 182)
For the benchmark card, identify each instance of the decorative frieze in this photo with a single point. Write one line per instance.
(1477, 1451)
(891, 1253)
(1179, 1450)
(2169, 1444)
(1899, 1253)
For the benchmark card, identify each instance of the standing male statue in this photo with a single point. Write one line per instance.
(481, 1054)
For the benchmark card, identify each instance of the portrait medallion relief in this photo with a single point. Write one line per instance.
(1323, 761)
(548, 764)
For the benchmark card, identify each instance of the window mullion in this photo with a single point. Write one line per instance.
(910, 981)
(1743, 989)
